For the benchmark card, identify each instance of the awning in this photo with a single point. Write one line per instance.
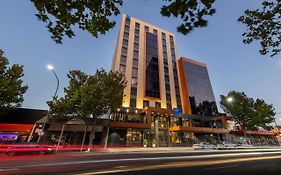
(15, 127)
(242, 132)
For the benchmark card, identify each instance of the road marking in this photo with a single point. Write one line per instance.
(119, 167)
(178, 165)
(222, 167)
(5, 170)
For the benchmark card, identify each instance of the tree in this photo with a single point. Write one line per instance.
(11, 85)
(264, 25)
(94, 16)
(62, 15)
(192, 13)
(250, 114)
(89, 97)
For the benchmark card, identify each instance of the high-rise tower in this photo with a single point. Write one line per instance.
(146, 56)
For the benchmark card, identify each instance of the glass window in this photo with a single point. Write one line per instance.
(154, 31)
(135, 62)
(152, 88)
(126, 34)
(122, 69)
(127, 28)
(133, 102)
(125, 42)
(135, 72)
(157, 104)
(146, 28)
(133, 91)
(137, 25)
(136, 54)
(124, 51)
(134, 81)
(137, 38)
(123, 59)
(145, 103)
(136, 46)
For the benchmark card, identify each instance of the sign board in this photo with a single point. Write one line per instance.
(41, 133)
(37, 130)
(176, 111)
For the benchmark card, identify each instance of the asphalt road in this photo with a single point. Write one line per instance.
(192, 163)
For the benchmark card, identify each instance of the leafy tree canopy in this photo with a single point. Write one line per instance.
(264, 25)
(90, 15)
(94, 16)
(89, 95)
(250, 114)
(11, 85)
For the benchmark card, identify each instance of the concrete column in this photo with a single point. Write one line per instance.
(156, 131)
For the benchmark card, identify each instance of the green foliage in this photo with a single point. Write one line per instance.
(247, 112)
(62, 15)
(154, 141)
(89, 95)
(145, 142)
(11, 85)
(192, 12)
(264, 25)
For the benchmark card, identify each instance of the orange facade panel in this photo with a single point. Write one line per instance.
(15, 127)
(129, 125)
(199, 129)
(185, 94)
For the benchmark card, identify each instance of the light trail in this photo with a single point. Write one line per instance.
(182, 164)
(144, 159)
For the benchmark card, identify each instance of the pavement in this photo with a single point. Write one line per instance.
(167, 149)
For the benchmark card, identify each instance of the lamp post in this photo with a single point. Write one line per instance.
(51, 68)
(277, 127)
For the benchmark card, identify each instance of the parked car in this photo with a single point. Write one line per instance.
(225, 145)
(203, 145)
(28, 149)
(244, 145)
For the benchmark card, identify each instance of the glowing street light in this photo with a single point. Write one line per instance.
(51, 68)
(229, 99)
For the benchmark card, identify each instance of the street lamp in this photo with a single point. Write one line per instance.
(229, 99)
(51, 68)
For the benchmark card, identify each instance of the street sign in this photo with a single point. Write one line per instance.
(176, 111)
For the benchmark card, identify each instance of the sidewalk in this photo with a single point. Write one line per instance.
(169, 150)
(149, 149)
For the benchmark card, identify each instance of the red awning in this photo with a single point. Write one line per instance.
(15, 127)
(242, 132)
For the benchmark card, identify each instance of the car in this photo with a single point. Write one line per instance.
(28, 150)
(203, 145)
(245, 145)
(225, 145)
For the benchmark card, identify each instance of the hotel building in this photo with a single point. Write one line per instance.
(146, 56)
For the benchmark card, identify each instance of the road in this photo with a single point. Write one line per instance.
(236, 162)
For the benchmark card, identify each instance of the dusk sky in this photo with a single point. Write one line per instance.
(231, 64)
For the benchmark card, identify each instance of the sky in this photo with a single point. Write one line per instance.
(232, 65)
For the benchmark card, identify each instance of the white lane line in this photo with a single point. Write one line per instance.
(221, 167)
(146, 158)
(5, 170)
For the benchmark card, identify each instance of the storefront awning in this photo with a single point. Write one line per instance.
(242, 132)
(8, 127)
